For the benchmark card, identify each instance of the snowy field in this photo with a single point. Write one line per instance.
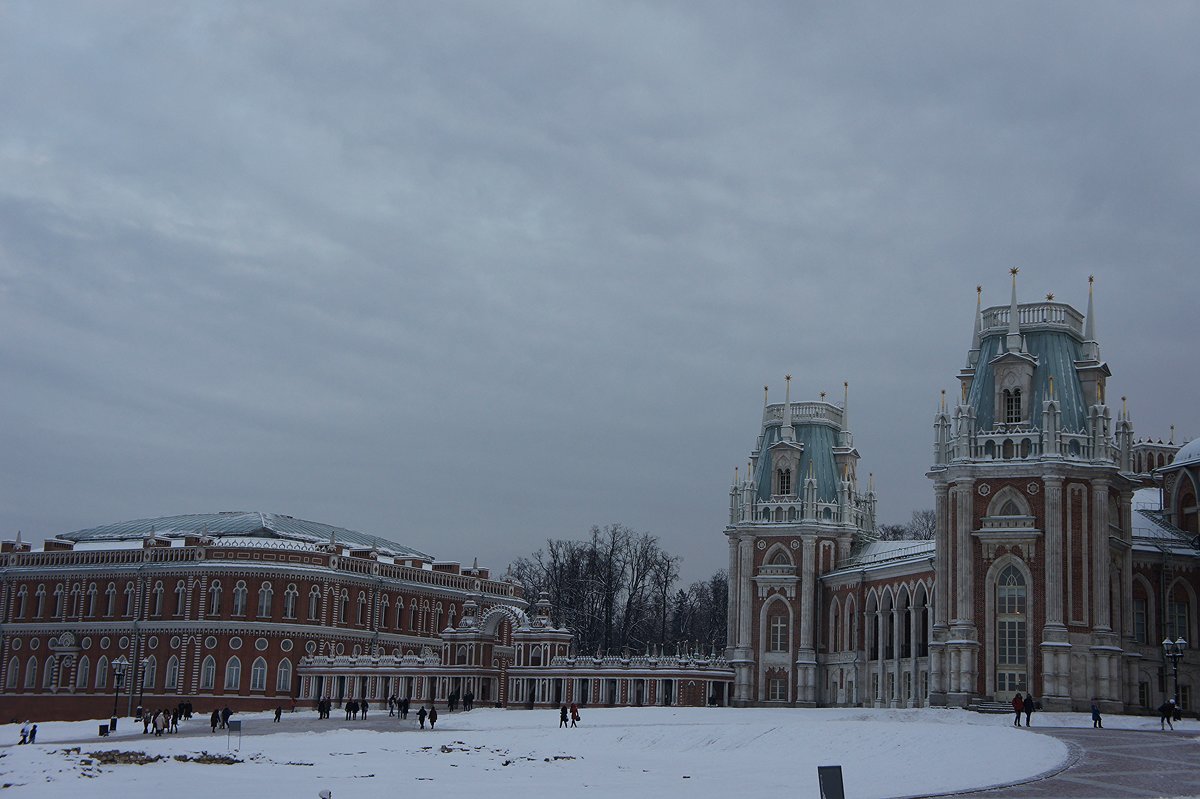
(676, 752)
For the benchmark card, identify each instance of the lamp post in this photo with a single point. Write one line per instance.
(142, 685)
(119, 667)
(1173, 650)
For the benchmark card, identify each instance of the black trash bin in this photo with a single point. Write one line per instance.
(103, 730)
(112, 724)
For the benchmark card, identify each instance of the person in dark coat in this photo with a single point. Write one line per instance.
(432, 716)
(363, 707)
(1030, 706)
(404, 704)
(33, 734)
(225, 714)
(469, 700)
(278, 713)
(562, 716)
(1018, 705)
(574, 715)
(391, 706)
(215, 719)
(1166, 711)
(1097, 722)
(421, 716)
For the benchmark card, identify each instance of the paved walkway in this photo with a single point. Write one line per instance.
(1114, 764)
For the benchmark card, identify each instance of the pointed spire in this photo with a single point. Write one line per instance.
(1089, 330)
(1051, 386)
(943, 406)
(845, 404)
(788, 433)
(973, 357)
(1172, 441)
(1014, 326)
(735, 476)
(766, 390)
(19, 532)
(1124, 408)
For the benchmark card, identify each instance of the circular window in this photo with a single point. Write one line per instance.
(235, 643)
(286, 645)
(210, 642)
(34, 643)
(310, 647)
(174, 641)
(123, 643)
(341, 648)
(86, 643)
(16, 643)
(153, 642)
(105, 642)
(261, 644)
(357, 651)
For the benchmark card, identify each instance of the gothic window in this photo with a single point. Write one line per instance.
(265, 595)
(180, 597)
(783, 480)
(361, 614)
(91, 612)
(1177, 619)
(158, 597)
(1011, 631)
(290, 596)
(343, 607)
(149, 671)
(48, 674)
(1010, 509)
(239, 598)
(258, 675)
(208, 673)
(102, 673)
(14, 672)
(778, 634)
(780, 558)
(233, 674)
(1012, 405)
(1140, 628)
(59, 596)
(412, 617)
(110, 599)
(129, 603)
(31, 672)
(314, 602)
(384, 604)
(283, 679)
(214, 599)
(171, 681)
(40, 594)
(83, 672)
(22, 599)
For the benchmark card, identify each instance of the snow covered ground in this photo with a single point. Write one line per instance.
(670, 752)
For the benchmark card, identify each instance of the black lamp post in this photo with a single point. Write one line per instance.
(119, 667)
(1174, 651)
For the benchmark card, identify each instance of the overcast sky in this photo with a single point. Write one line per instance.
(472, 276)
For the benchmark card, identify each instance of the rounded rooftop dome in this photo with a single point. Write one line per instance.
(1188, 452)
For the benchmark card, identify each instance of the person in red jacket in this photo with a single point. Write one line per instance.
(1018, 707)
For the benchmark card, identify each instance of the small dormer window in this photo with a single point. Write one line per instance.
(1012, 406)
(783, 479)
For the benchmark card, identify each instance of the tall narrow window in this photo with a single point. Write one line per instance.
(239, 598)
(110, 599)
(361, 617)
(41, 601)
(214, 599)
(265, 596)
(92, 594)
(158, 597)
(149, 672)
(283, 681)
(1012, 406)
(83, 673)
(258, 675)
(1139, 621)
(14, 672)
(290, 596)
(31, 672)
(783, 477)
(180, 597)
(399, 612)
(1010, 632)
(171, 679)
(129, 600)
(59, 601)
(1177, 619)
(778, 634)
(22, 601)
(343, 607)
(233, 674)
(314, 603)
(208, 673)
(102, 673)
(48, 676)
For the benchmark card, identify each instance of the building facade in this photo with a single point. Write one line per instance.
(255, 610)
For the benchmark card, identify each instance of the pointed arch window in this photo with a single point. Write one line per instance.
(214, 599)
(361, 616)
(83, 673)
(343, 607)
(239, 598)
(158, 597)
(102, 673)
(283, 679)
(290, 597)
(60, 595)
(14, 672)
(1011, 631)
(31, 673)
(92, 595)
(110, 599)
(22, 601)
(412, 617)
(233, 673)
(129, 601)
(266, 595)
(399, 612)
(208, 673)
(40, 595)
(258, 675)
(384, 606)
(314, 603)
(180, 597)
(48, 674)
(149, 672)
(777, 633)
(171, 679)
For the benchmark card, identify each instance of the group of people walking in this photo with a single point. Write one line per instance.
(398, 706)
(1024, 704)
(220, 718)
(164, 720)
(571, 712)
(468, 701)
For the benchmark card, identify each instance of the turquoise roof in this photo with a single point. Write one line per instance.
(1056, 354)
(240, 524)
(819, 441)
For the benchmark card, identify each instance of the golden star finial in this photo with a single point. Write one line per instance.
(979, 289)
(1091, 278)
(1014, 271)
(1050, 297)
(787, 377)
(822, 395)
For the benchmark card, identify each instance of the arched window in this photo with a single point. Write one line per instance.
(233, 674)
(208, 673)
(214, 599)
(343, 607)
(239, 598)
(22, 601)
(265, 595)
(180, 597)
(110, 598)
(59, 596)
(102, 673)
(48, 674)
(1011, 632)
(92, 593)
(258, 675)
(361, 616)
(83, 672)
(384, 605)
(783, 481)
(149, 671)
(14, 672)
(158, 597)
(314, 603)
(412, 616)
(779, 558)
(129, 601)
(399, 612)
(31, 672)
(283, 679)
(40, 595)
(171, 681)
(290, 597)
